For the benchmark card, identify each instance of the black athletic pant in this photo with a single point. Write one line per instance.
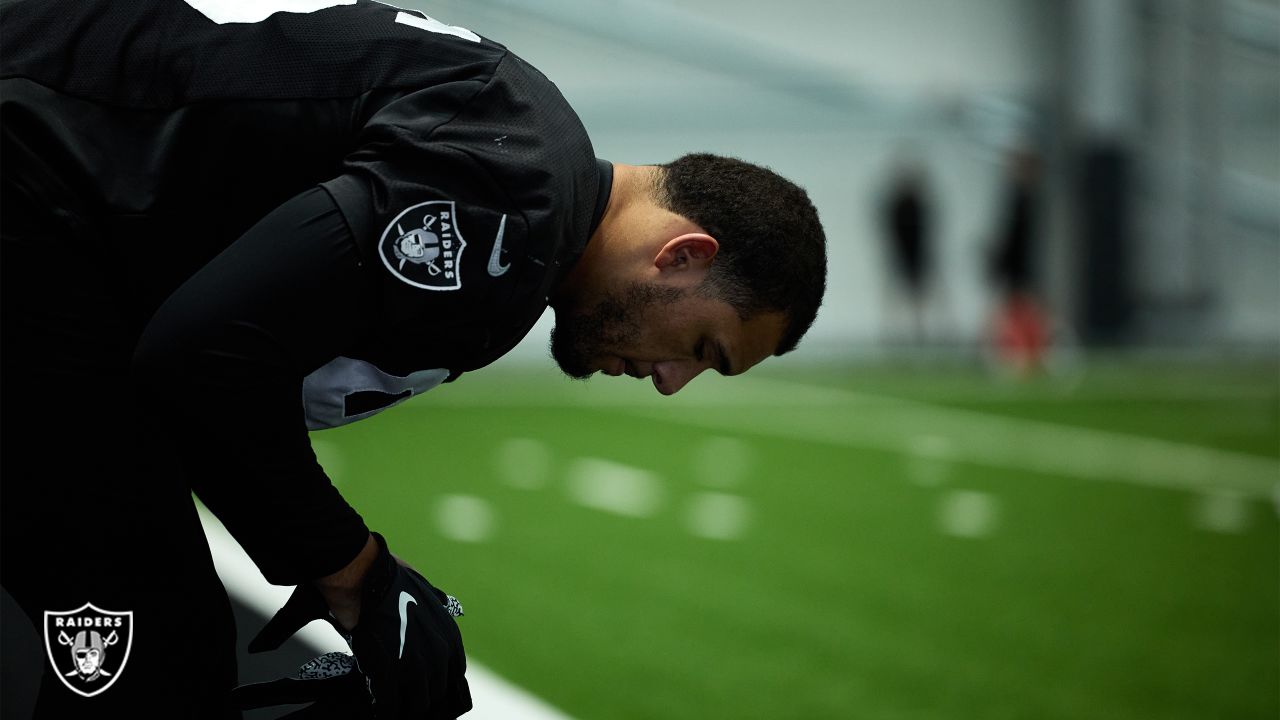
(95, 507)
(92, 511)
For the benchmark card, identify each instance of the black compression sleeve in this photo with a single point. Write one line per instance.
(219, 371)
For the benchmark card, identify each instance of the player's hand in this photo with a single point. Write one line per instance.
(409, 660)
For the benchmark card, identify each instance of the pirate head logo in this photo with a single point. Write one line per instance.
(423, 246)
(88, 647)
(89, 650)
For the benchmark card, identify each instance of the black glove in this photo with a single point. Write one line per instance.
(409, 660)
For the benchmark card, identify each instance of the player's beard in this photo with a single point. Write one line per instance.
(579, 340)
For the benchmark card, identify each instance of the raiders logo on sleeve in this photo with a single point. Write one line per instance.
(423, 246)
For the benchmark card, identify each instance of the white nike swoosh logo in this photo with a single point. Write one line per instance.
(496, 268)
(405, 599)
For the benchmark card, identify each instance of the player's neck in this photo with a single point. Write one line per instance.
(630, 195)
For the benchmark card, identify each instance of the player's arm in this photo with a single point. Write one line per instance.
(220, 370)
(342, 590)
(219, 373)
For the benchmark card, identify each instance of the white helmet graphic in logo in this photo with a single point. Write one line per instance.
(89, 651)
(423, 246)
(418, 246)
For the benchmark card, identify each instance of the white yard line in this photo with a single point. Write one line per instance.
(494, 698)
(614, 487)
(856, 419)
(851, 419)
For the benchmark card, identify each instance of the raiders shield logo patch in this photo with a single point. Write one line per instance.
(88, 647)
(423, 246)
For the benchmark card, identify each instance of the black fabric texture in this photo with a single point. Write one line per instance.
(195, 216)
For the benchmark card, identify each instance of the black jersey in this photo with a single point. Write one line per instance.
(155, 133)
(142, 118)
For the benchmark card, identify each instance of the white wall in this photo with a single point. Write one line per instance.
(825, 91)
(901, 69)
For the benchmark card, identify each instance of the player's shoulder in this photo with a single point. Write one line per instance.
(525, 86)
(162, 53)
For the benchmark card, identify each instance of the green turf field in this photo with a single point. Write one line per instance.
(852, 542)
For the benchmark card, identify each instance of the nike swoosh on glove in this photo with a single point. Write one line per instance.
(409, 661)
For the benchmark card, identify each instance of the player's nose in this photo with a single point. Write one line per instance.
(669, 377)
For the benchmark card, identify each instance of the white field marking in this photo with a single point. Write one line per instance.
(494, 698)
(929, 462)
(1027, 445)
(614, 487)
(465, 518)
(722, 462)
(1012, 392)
(968, 513)
(932, 446)
(844, 418)
(718, 516)
(331, 459)
(523, 463)
(1221, 512)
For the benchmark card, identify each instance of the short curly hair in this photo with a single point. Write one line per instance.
(772, 255)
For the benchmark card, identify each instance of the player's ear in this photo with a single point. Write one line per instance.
(690, 251)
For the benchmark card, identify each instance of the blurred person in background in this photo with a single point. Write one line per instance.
(908, 222)
(1020, 332)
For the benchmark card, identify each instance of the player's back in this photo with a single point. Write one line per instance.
(151, 106)
(169, 127)
(162, 54)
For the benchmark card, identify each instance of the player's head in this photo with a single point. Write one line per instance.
(706, 261)
(772, 255)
